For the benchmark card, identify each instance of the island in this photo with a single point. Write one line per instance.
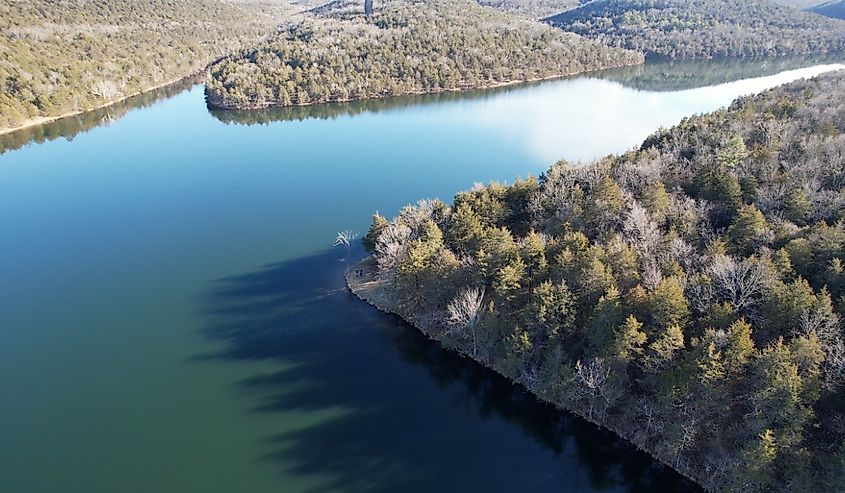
(687, 295)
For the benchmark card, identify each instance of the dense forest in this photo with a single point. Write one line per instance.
(337, 53)
(64, 56)
(687, 29)
(533, 9)
(835, 9)
(688, 295)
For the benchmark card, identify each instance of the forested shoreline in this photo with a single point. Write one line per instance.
(65, 57)
(694, 29)
(404, 47)
(687, 295)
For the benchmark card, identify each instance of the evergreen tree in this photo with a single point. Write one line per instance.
(465, 229)
(667, 304)
(746, 229)
(630, 339)
(739, 348)
(376, 227)
(509, 279)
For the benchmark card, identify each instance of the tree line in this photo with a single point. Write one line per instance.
(65, 56)
(337, 53)
(687, 29)
(688, 295)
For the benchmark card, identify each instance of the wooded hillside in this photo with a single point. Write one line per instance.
(62, 56)
(688, 295)
(689, 29)
(337, 53)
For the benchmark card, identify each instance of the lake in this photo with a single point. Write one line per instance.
(173, 317)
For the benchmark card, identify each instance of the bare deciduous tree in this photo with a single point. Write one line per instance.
(345, 238)
(594, 384)
(391, 246)
(640, 230)
(742, 283)
(463, 313)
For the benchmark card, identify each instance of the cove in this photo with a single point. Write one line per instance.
(173, 318)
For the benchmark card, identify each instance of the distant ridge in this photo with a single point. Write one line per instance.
(690, 29)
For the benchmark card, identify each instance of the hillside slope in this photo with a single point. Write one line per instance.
(687, 295)
(336, 53)
(688, 29)
(65, 56)
(533, 9)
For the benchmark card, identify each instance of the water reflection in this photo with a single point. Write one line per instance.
(662, 76)
(72, 126)
(411, 417)
(653, 77)
(656, 76)
(578, 119)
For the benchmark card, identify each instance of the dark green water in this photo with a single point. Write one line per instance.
(173, 319)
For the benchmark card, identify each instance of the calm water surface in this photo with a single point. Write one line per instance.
(172, 319)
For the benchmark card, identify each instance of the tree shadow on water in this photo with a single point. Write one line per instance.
(387, 409)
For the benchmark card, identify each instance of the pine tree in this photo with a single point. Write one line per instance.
(733, 154)
(666, 344)
(667, 304)
(533, 252)
(552, 309)
(746, 228)
(377, 226)
(509, 279)
(657, 201)
(465, 229)
(630, 339)
(739, 348)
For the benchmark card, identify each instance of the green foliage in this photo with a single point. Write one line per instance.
(657, 201)
(739, 348)
(758, 460)
(797, 206)
(667, 304)
(465, 228)
(376, 227)
(552, 309)
(509, 279)
(733, 154)
(630, 339)
(777, 394)
(702, 327)
(745, 231)
(666, 344)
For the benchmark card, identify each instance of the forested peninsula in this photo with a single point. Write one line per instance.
(689, 29)
(65, 57)
(687, 295)
(338, 52)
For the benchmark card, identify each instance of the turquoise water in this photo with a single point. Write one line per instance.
(172, 317)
